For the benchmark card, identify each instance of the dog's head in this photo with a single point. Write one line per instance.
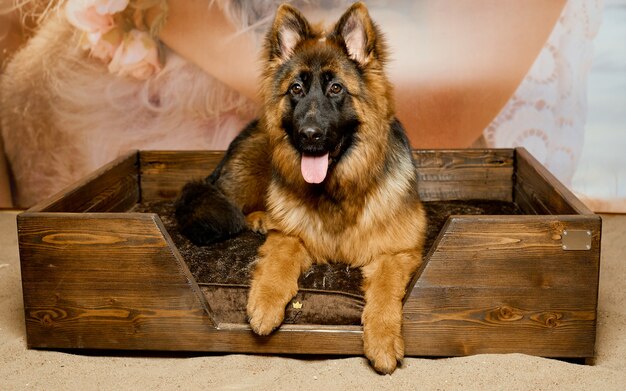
(319, 85)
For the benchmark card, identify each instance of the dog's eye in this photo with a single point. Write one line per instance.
(296, 89)
(335, 88)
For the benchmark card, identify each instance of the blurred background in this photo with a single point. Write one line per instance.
(599, 172)
(600, 177)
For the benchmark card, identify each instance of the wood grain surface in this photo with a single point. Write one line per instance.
(465, 174)
(497, 284)
(99, 279)
(164, 173)
(537, 191)
(443, 174)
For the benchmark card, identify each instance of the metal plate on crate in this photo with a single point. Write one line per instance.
(576, 239)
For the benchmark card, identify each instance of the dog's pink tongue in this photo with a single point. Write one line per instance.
(314, 168)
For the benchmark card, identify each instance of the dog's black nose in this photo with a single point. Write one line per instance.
(311, 134)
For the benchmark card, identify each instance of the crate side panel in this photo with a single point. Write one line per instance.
(465, 174)
(112, 188)
(104, 281)
(444, 175)
(537, 191)
(499, 285)
(513, 251)
(164, 173)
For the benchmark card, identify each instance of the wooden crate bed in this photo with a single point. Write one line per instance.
(511, 265)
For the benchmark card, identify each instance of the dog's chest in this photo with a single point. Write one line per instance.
(338, 231)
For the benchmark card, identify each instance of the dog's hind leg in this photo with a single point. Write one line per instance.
(213, 209)
(385, 281)
(205, 215)
(275, 280)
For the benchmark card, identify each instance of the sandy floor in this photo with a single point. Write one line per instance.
(30, 369)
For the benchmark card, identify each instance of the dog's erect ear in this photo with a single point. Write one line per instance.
(289, 28)
(359, 34)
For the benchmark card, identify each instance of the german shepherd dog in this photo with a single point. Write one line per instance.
(326, 172)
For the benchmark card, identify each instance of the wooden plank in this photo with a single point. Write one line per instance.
(465, 174)
(501, 328)
(464, 321)
(537, 191)
(504, 284)
(463, 190)
(442, 158)
(164, 173)
(444, 175)
(112, 188)
(518, 251)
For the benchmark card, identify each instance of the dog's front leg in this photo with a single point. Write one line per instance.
(282, 259)
(385, 281)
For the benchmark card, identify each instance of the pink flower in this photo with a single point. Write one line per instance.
(137, 56)
(93, 16)
(133, 53)
(103, 46)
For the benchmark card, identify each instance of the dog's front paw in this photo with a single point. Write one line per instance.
(274, 281)
(383, 348)
(264, 315)
(257, 222)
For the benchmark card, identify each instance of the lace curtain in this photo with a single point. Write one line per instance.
(547, 112)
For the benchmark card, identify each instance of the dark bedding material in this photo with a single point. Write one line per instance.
(329, 294)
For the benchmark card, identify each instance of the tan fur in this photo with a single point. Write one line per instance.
(245, 177)
(375, 221)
